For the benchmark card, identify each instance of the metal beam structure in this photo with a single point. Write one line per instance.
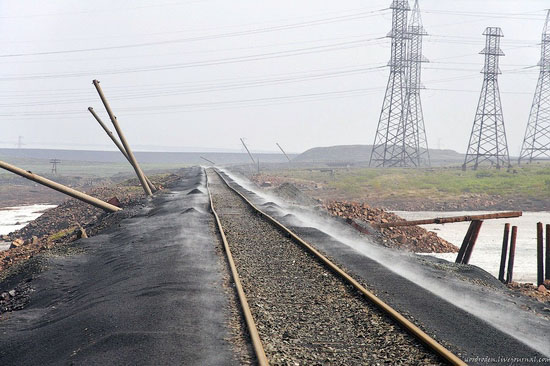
(488, 142)
(536, 143)
(131, 156)
(60, 188)
(448, 220)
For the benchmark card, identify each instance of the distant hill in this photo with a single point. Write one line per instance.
(360, 154)
(187, 158)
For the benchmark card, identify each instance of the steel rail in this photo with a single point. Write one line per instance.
(249, 319)
(387, 309)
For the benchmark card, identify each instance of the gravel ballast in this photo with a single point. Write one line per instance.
(305, 314)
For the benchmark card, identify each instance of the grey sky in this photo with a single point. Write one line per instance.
(218, 70)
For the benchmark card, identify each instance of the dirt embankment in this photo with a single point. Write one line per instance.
(412, 238)
(398, 201)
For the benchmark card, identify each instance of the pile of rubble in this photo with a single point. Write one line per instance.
(412, 238)
(541, 293)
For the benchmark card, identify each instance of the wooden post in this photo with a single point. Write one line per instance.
(505, 239)
(472, 241)
(540, 254)
(512, 254)
(547, 269)
(460, 256)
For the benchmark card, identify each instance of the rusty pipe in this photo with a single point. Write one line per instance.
(60, 188)
(503, 254)
(511, 255)
(118, 144)
(540, 254)
(133, 160)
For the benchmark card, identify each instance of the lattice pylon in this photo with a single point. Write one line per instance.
(414, 146)
(391, 119)
(488, 143)
(536, 143)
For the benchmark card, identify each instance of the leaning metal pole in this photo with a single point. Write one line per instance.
(60, 188)
(118, 144)
(133, 160)
(248, 151)
(280, 148)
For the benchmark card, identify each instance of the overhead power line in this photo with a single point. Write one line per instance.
(206, 37)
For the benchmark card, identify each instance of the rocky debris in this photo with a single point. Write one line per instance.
(540, 293)
(15, 299)
(412, 238)
(114, 201)
(16, 243)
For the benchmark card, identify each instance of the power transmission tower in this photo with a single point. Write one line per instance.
(536, 144)
(418, 153)
(54, 163)
(488, 138)
(391, 134)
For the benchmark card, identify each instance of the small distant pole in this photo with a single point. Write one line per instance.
(54, 163)
(283, 151)
(19, 142)
(512, 254)
(210, 161)
(248, 151)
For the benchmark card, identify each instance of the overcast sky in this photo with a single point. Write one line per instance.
(202, 73)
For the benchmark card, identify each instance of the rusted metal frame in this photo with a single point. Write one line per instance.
(60, 188)
(511, 255)
(503, 254)
(448, 220)
(118, 144)
(464, 246)
(540, 254)
(127, 148)
(247, 313)
(472, 241)
(388, 310)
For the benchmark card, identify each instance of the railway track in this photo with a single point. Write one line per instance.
(299, 307)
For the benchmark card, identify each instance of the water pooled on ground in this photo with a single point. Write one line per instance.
(487, 251)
